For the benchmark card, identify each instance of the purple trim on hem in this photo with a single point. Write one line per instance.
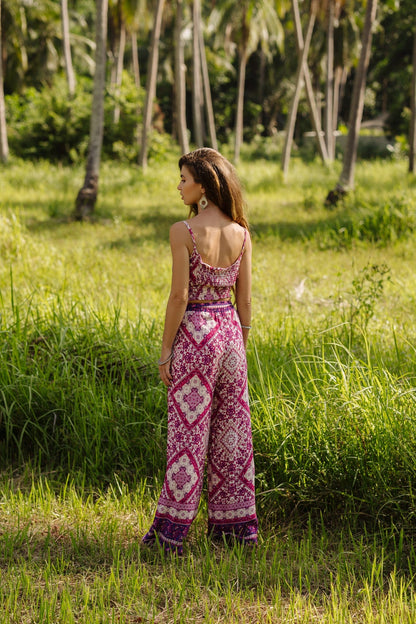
(243, 532)
(169, 534)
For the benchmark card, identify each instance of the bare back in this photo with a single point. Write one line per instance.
(218, 239)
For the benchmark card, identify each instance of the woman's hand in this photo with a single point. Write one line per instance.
(164, 367)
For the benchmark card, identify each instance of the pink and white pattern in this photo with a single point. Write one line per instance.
(208, 420)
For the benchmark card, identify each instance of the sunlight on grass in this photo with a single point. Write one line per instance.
(332, 368)
(78, 553)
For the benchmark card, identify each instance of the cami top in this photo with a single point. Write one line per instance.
(208, 283)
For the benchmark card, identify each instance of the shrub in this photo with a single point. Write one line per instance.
(46, 124)
(394, 220)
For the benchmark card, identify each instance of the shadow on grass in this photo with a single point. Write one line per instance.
(333, 228)
(282, 554)
(154, 224)
(154, 227)
(74, 549)
(294, 230)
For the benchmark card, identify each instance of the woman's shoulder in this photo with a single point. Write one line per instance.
(179, 228)
(239, 231)
(239, 228)
(181, 234)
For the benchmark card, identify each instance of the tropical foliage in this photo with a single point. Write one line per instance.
(251, 53)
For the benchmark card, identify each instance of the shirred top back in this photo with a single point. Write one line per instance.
(208, 283)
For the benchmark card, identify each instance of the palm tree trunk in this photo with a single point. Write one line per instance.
(240, 104)
(4, 145)
(346, 180)
(412, 141)
(135, 59)
(303, 74)
(197, 98)
(23, 37)
(87, 196)
(261, 83)
(207, 93)
(315, 116)
(329, 106)
(180, 86)
(151, 83)
(335, 104)
(291, 120)
(119, 70)
(69, 70)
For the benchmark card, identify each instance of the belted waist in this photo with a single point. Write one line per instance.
(211, 304)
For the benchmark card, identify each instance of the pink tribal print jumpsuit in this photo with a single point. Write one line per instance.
(208, 416)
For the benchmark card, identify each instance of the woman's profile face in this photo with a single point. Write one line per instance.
(190, 190)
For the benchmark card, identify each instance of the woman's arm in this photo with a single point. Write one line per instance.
(178, 297)
(243, 290)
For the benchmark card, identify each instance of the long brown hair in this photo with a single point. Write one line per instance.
(220, 181)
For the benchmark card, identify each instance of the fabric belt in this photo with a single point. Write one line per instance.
(210, 305)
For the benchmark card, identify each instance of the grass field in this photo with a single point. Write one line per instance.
(332, 368)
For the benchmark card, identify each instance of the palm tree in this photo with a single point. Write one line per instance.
(412, 141)
(340, 56)
(346, 53)
(151, 82)
(33, 32)
(118, 45)
(329, 95)
(87, 196)
(247, 41)
(303, 73)
(4, 146)
(197, 96)
(136, 16)
(125, 19)
(346, 180)
(249, 23)
(180, 85)
(201, 89)
(69, 70)
(243, 54)
(207, 93)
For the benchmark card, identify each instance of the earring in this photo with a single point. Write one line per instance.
(203, 202)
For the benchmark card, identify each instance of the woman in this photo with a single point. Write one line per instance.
(203, 360)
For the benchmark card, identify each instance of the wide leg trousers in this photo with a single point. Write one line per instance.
(208, 424)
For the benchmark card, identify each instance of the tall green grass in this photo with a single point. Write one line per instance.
(332, 367)
(80, 392)
(335, 433)
(331, 357)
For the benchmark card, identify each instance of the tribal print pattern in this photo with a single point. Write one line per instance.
(208, 424)
(207, 282)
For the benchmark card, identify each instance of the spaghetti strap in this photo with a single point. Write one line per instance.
(244, 243)
(190, 232)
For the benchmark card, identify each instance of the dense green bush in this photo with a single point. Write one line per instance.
(47, 124)
(384, 224)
